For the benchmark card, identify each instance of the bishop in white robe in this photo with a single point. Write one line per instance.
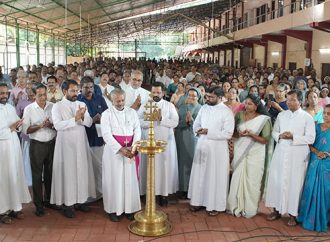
(208, 184)
(166, 163)
(13, 188)
(294, 130)
(120, 130)
(73, 177)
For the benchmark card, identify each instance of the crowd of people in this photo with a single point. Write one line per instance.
(235, 137)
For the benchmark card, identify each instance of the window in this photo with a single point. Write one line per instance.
(280, 8)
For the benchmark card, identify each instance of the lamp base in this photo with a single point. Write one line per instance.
(155, 225)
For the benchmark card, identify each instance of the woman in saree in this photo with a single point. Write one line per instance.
(313, 107)
(253, 129)
(186, 139)
(314, 209)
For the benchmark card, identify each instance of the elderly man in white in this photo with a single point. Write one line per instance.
(120, 129)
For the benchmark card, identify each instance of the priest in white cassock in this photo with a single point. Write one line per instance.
(13, 188)
(73, 177)
(136, 96)
(294, 130)
(208, 185)
(166, 163)
(120, 130)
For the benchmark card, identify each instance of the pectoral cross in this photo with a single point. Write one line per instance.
(126, 142)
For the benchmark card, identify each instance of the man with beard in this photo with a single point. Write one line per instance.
(120, 129)
(112, 76)
(73, 177)
(13, 189)
(166, 163)
(208, 185)
(96, 105)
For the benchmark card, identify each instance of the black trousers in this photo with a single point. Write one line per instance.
(41, 158)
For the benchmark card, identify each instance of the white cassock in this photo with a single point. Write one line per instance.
(13, 188)
(208, 184)
(166, 163)
(119, 177)
(289, 162)
(132, 94)
(124, 86)
(73, 177)
(106, 98)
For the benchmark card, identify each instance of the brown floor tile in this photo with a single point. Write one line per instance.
(95, 226)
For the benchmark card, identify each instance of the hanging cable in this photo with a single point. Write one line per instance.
(80, 18)
(66, 14)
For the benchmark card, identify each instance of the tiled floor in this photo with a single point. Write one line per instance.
(187, 226)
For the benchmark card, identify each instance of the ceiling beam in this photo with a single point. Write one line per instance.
(73, 13)
(113, 3)
(121, 11)
(31, 14)
(99, 4)
(41, 11)
(322, 26)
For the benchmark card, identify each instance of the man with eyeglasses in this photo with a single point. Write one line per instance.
(96, 105)
(14, 190)
(136, 96)
(73, 177)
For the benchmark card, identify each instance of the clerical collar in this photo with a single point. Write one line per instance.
(298, 110)
(118, 111)
(68, 101)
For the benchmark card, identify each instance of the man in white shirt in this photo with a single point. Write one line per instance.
(294, 130)
(54, 94)
(73, 176)
(120, 130)
(166, 79)
(191, 75)
(37, 123)
(126, 81)
(14, 190)
(105, 88)
(44, 75)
